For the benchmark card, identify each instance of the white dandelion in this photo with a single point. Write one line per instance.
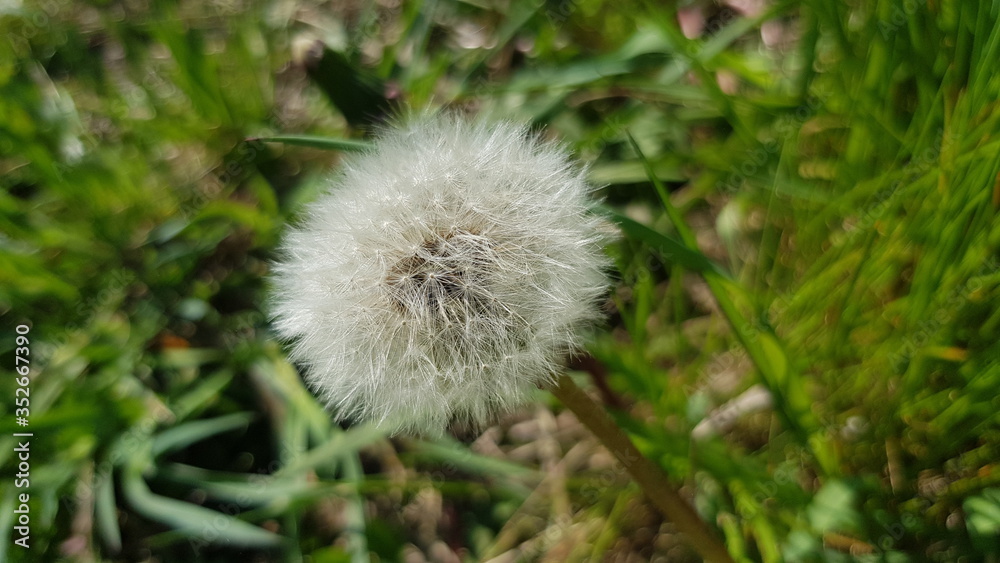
(445, 276)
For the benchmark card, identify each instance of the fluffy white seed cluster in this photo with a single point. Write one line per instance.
(445, 276)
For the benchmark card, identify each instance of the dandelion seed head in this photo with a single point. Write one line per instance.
(444, 277)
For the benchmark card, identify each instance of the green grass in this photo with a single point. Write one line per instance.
(826, 231)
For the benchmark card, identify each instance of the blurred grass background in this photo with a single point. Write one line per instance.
(806, 334)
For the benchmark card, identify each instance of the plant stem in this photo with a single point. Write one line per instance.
(649, 477)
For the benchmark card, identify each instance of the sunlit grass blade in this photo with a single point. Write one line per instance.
(315, 142)
(669, 248)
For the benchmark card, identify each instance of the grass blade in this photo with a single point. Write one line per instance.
(186, 434)
(316, 142)
(669, 248)
(194, 522)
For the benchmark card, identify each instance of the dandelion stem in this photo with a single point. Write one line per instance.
(649, 477)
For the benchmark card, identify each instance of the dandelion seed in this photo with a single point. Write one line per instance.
(444, 277)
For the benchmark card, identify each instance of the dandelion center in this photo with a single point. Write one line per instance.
(447, 279)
